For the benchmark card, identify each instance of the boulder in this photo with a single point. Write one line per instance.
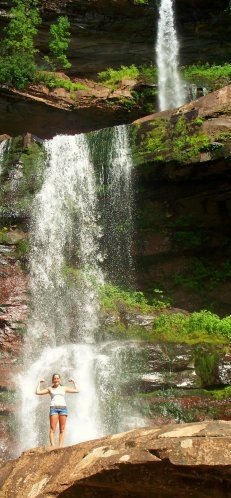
(176, 460)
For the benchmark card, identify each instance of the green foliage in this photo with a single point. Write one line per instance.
(52, 81)
(4, 237)
(220, 394)
(187, 233)
(148, 74)
(22, 28)
(113, 297)
(203, 275)
(140, 2)
(112, 77)
(17, 65)
(59, 43)
(214, 76)
(29, 161)
(198, 121)
(178, 326)
(179, 140)
(224, 136)
(22, 248)
(32, 159)
(17, 70)
(206, 367)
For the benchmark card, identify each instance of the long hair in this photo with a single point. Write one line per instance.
(54, 376)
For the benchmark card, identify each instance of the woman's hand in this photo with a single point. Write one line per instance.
(39, 390)
(74, 389)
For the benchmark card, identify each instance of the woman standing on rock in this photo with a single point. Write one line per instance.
(58, 406)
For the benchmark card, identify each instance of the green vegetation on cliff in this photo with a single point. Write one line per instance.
(59, 43)
(51, 80)
(18, 66)
(193, 328)
(202, 275)
(17, 59)
(21, 177)
(113, 297)
(176, 139)
(212, 76)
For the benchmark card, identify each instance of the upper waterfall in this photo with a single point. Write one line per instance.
(171, 89)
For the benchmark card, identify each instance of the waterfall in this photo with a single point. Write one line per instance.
(67, 229)
(118, 207)
(171, 89)
(64, 278)
(65, 245)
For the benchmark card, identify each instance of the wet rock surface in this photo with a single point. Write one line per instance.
(58, 114)
(13, 315)
(108, 33)
(193, 459)
(170, 191)
(183, 217)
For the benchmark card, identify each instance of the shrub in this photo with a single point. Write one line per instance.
(206, 367)
(17, 70)
(169, 140)
(59, 43)
(203, 323)
(22, 28)
(17, 65)
(215, 76)
(52, 81)
(110, 295)
(111, 77)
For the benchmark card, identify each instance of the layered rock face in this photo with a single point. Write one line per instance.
(190, 460)
(184, 214)
(111, 33)
(108, 33)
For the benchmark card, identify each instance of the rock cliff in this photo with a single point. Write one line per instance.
(187, 460)
(182, 248)
(185, 211)
(108, 33)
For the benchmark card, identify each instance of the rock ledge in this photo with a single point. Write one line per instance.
(175, 460)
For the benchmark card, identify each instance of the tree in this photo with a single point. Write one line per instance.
(59, 43)
(17, 63)
(22, 28)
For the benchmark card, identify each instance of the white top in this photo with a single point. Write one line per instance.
(57, 396)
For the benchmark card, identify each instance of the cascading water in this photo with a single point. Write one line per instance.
(65, 277)
(171, 88)
(118, 206)
(120, 209)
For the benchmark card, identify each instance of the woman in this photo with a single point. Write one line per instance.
(58, 406)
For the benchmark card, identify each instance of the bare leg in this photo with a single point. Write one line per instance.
(62, 424)
(53, 425)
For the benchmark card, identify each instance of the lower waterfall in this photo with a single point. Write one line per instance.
(67, 268)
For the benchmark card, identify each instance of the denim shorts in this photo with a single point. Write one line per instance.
(58, 410)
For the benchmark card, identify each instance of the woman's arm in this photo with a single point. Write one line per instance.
(71, 389)
(41, 391)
